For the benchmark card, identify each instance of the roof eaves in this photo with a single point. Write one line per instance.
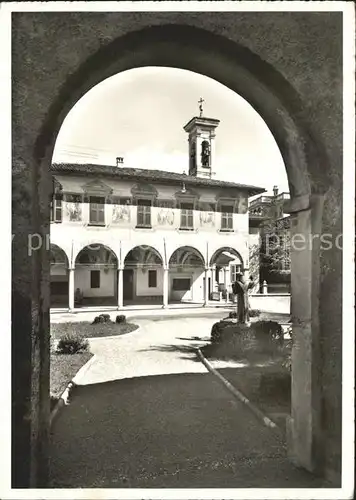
(122, 172)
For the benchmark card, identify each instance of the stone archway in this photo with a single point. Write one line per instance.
(224, 265)
(59, 277)
(227, 59)
(95, 276)
(143, 276)
(186, 280)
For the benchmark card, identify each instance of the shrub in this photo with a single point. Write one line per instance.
(254, 313)
(232, 315)
(72, 343)
(121, 318)
(268, 330)
(102, 318)
(227, 332)
(237, 340)
(217, 329)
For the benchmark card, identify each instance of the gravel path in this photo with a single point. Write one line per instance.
(160, 346)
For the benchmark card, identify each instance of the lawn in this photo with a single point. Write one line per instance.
(63, 369)
(86, 329)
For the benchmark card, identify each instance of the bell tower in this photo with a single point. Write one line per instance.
(201, 142)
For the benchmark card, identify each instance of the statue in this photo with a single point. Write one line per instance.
(241, 288)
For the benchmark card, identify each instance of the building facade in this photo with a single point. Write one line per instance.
(122, 236)
(270, 240)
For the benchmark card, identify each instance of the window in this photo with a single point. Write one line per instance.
(152, 279)
(144, 213)
(235, 269)
(181, 284)
(94, 279)
(227, 217)
(56, 212)
(186, 215)
(97, 210)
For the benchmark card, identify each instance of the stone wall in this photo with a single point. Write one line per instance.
(287, 64)
(274, 302)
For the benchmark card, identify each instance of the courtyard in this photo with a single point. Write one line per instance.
(147, 413)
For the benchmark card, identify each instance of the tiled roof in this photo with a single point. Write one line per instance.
(148, 175)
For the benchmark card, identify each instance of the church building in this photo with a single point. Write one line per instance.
(125, 236)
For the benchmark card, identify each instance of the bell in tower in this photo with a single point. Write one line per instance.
(201, 141)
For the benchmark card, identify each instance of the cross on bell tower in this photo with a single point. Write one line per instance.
(201, 141)
(200, 102)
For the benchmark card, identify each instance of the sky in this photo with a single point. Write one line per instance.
(139, 114)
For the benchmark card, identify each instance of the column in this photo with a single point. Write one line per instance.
(71, 290)
(206, 286)
(305, 441)
(165, 286)
(120, 288)
(225, 285)
(213, 278)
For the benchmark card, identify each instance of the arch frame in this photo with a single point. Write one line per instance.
(101, 245)
(126, 253)
(235, 66)
(52, 244)
(285, 114)
(227, 249)
(198, 253)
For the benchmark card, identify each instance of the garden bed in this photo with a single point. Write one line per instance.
(63, 368)
(262, 341)
(89, 330)
(266, 386)
(263, 376)
(70, 349)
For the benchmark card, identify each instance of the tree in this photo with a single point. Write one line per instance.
(275, 250)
